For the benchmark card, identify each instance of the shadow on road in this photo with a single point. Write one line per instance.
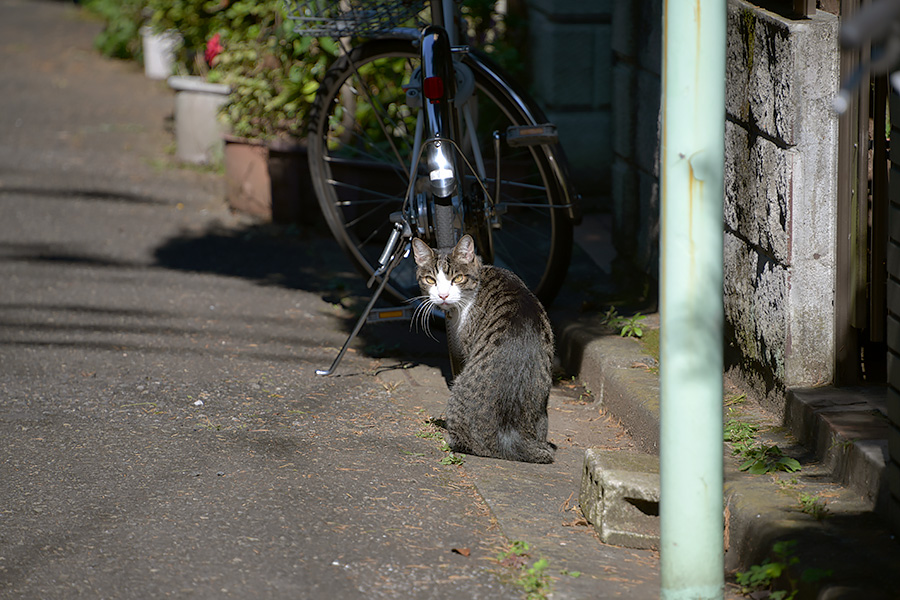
(301, 259)
(267, 254)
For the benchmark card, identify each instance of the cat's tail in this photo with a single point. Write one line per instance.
(514, 446)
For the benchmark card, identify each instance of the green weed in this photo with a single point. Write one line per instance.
(534, 580)
(844, 445)
(430, 434)
(813, 506)
(767, 459)
(452, 459)
(431, 431)
(758, 458)
(609, 316)
(627, 326)
(763, 576)
(789, 483)
(739, 432)
(516, 548)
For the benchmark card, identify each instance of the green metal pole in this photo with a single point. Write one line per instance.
(691, 304)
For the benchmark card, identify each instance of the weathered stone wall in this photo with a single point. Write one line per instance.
(781, 142)
(597, 72)
(571, 62)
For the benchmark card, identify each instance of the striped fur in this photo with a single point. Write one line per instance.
(498, 401)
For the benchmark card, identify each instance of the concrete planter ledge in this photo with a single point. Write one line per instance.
(191, 83)
(198, 131)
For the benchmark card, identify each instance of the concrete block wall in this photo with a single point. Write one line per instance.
(636, 56)
(571, 62)
(781, 164)
(781, 143)
(892, 467)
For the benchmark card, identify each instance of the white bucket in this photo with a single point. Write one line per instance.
(159, 52)
(198, 132)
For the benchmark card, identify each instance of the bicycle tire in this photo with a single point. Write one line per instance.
(360, 178)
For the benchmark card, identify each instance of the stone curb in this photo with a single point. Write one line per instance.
(847, 429)
(843, 430)
(617, 372)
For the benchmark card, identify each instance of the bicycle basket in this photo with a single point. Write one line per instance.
(350, 18)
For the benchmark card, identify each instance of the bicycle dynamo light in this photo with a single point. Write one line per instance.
(440, 168)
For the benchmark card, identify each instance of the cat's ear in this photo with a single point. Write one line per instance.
(465, 249)
(421, 252)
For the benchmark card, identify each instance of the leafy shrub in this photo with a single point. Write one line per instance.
(274, 72)
(121, 37)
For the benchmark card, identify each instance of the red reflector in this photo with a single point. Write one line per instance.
(433, 88)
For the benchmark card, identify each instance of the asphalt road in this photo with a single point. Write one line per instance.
(163, 431)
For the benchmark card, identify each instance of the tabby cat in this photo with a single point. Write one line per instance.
(501, 335)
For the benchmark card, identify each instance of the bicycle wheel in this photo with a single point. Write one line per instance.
(361, 136)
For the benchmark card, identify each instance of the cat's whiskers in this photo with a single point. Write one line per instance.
(421, 315)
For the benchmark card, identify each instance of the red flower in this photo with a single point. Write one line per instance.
(213, 48)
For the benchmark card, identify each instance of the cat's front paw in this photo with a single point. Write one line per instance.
(455, 445)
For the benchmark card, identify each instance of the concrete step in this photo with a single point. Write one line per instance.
(826, 511)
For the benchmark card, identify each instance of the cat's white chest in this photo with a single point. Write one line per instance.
(463, 315)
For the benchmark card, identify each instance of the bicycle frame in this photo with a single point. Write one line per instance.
(436, 199)
(438, 80)
(441, 127)
(437, 119)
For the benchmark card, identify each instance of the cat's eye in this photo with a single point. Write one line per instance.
(459, 279)
(429, 280)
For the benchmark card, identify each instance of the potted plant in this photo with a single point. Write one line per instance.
(192, 22)
(273, 75)
(198, 132)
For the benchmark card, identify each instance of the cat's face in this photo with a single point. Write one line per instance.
(448, 279)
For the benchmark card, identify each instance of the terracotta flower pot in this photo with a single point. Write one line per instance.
(269, 180)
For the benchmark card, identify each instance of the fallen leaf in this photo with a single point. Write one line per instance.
(462, 551)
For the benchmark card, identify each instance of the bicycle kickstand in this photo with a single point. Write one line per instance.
(389, 260)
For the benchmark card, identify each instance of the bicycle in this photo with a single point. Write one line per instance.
(412, 134)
